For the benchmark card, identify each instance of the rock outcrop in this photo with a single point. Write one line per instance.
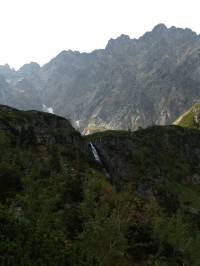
(150, 159)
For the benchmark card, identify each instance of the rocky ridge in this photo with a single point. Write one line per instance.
(131, 83)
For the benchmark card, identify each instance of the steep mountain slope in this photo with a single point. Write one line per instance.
(190, 118)
(132, 82)
(128, 84)
(18, 92)
(138, 205)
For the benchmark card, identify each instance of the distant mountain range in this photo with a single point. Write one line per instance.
(131, 83)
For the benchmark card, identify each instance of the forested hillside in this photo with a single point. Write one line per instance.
(138, 205)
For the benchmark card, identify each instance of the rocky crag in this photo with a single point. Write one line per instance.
(130, 83)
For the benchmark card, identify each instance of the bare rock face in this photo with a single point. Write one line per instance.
(18, 92)
(197, 116)
(130, 83)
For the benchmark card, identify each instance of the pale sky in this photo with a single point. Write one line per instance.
(37, 30)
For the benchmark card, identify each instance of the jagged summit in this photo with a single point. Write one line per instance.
(160, 27)
(130, 83)
(30, 66)
(121, 38)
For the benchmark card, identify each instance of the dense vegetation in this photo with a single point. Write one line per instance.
(57, 206)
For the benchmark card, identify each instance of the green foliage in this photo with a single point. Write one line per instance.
(172, 235)
(4, 144)
(56, 208)
(187, 119)
(9, 181)
(107, 217)
(187, 195)
(22, 243)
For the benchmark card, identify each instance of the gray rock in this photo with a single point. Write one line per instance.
(129, 84)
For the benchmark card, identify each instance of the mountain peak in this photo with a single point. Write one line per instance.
(130, 84)
(30, 66)
(120, 41)
(159, 28)
(123, 37)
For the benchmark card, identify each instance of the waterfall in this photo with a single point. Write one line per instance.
(95, 153)
(97, 158)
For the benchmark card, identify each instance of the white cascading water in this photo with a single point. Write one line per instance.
(95, 153)
(97, 158)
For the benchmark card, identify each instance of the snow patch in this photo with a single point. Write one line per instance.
(47, 109)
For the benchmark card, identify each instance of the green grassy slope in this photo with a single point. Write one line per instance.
(186, 119)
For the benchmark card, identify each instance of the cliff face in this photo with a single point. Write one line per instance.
(158, 161)
(128, 84)
(19, 92)
(34, 128)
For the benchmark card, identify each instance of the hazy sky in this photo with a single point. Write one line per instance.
(37, 30)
